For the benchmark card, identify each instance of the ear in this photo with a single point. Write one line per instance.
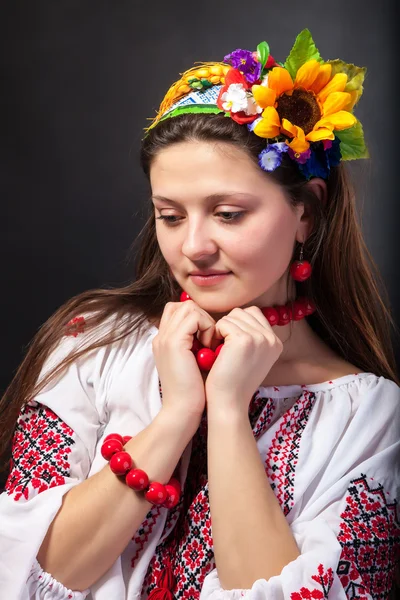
(318, 186)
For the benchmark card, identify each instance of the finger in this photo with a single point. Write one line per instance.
(255, 318)
(204, 327)
(199, 320)
(257, 314)
(169, 309)
(175, 313)
(244, 325)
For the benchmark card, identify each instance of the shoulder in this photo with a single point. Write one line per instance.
(98, 348)
(377, 400)
(355, 432)
(85, 372)
(371, 432)
(371, 443)
(369, 397)
(313, 370)
(355, 417)
(330, 369)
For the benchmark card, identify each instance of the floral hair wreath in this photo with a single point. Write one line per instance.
(302, 107)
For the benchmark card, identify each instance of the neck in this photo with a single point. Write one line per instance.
(299, 341)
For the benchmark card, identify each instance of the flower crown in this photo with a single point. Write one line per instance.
(302, 107)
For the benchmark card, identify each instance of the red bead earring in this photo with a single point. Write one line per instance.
(300, 269)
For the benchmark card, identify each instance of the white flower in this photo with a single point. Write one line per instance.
(264, 80)
(235, 98)
(269, 159)
(252, 107)
(281, 146)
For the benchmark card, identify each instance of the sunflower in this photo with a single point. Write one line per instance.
(308, 109)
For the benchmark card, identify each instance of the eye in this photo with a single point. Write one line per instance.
(234, 216)
(167, 219)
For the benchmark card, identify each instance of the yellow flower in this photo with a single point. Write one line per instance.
(307, 110)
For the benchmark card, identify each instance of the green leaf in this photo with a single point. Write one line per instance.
(352, 144)
(355, 78)
(263, 53)
(303, 50)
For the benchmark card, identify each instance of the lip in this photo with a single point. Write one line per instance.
(210, 272)
(204, 280)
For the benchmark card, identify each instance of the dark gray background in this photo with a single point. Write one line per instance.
(79, 79)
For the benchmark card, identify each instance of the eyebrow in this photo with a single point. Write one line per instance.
(211, 197)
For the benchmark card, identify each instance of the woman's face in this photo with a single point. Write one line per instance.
(192, 184)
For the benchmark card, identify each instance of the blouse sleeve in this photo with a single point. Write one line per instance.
(347, 531)
(53, 447)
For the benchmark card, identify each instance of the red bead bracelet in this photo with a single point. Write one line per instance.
(280, 315)
(121, 464)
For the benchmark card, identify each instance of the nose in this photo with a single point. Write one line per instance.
(198, 242)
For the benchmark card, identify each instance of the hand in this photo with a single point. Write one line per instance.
(181, 379)
(250, 349)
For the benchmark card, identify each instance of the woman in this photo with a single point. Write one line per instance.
(265, 465)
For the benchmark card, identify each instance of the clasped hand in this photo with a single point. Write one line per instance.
(250, 349)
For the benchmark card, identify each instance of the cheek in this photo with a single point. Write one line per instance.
(267, 245)
(168, 249)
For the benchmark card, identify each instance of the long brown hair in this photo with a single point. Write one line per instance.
(352, 308)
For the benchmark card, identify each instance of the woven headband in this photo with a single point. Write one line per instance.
(302, 107)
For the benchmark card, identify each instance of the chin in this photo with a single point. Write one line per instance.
(217, 302)
(219, 308)
(216, 308)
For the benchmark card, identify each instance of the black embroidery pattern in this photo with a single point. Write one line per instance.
(370, 540)
(188, 549)
(41, 445)
(282, 457)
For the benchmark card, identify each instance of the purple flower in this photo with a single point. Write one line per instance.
(300, 158)
(271, 157)
(250, 126)
(322, 159)
(316, 166)
(333, 153)
(244, 61)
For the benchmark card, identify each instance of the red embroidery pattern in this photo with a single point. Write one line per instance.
(370, 540)
(75, 326)
(260, 413)
(172, 514)
(41, 445)
(144, 532)
(187, 549)
(325, 581)
(281, 459)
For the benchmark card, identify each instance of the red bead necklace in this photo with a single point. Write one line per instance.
(277, 315)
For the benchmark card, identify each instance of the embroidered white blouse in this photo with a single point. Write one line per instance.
(330, 450)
